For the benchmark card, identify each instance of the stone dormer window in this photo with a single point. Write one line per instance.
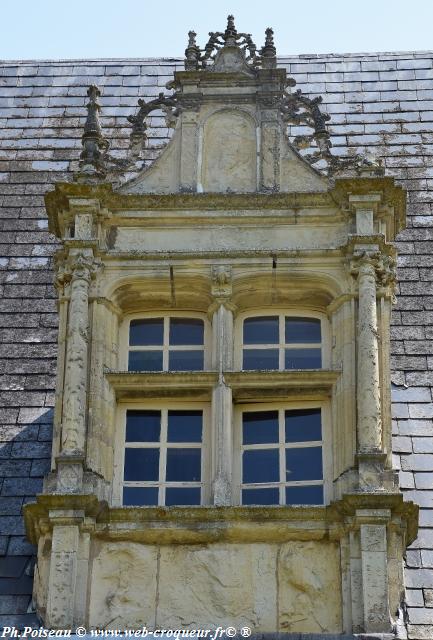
(224, 320)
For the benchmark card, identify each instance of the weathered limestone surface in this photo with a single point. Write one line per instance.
(378, 102)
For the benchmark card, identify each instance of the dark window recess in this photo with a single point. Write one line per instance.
(146, 332)
(261, 330)
(145, 361)
(260, 465)
(141, 464)
(260, 427)
(183, 465)
(303, 425)
(185, 426)
(302, 330)
(186, 331)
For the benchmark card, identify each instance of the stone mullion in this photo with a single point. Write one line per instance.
(222, 413)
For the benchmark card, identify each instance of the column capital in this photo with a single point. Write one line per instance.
(380, 265)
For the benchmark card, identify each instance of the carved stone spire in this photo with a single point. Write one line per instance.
(192, 53)
(230, 34)
(94, 143)
(268, 52)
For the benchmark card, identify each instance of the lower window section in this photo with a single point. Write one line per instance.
(282, 457)
(163, 459)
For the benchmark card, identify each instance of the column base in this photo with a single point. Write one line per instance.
(372, 474)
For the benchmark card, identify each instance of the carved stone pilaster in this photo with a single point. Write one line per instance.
(80, 266)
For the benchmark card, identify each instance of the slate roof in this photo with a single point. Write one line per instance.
(377, 102)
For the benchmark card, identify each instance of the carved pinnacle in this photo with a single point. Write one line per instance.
(94, 144)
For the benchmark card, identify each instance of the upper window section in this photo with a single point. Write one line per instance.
(281, 342)
(166, 344)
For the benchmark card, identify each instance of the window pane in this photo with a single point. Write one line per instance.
(303, 425)
(183, 465)
(186, 331)
(185, 426)
(140, 496)
(303, 330)
(261, 466)
(304, 464)
(145, 361)
(145, 332)
(261, 330)
(174, 495)
(260, 359)
(260, 427)
(303, 359)
(141, 464)
(185, 361)
(304, 495)
(143, 426)
(260, 496)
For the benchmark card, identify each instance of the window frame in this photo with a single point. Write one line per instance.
(121, 445)
(282, 313)
(125, 348)
(282, 406)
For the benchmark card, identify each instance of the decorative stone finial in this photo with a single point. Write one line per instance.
(230, 33)
(268, 52)
(94, 143)
(192, 53)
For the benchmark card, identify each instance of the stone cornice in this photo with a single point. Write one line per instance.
(168, 525)
(129, 384)
(266, 384)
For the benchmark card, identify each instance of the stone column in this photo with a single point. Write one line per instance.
(368, 387)
(222, 360)
(73, 436)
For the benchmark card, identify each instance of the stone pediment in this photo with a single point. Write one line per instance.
(233, 113)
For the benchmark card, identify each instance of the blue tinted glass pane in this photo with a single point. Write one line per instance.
(146, 332)
(185, 361)
(304, 495)
(183, 465)
(303, 359)
(260, 359)
(303, 425)
(303, 330)
(304, 464)
(186, 331)
(260, 427)
(143, 426)
(140, 496)
(185, 426)
(145, 361)
(141, 464)
(261, 466)
(174, 495)
(261, 330)
(260, 496)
